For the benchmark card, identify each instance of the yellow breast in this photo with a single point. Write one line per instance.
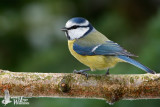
(98, 62)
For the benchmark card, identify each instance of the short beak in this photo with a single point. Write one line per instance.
(64, 29)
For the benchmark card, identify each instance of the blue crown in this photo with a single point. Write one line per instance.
(78, 20)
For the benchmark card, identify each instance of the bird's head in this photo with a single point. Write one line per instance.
(77, 27)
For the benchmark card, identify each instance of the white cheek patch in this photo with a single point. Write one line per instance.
(77, 33)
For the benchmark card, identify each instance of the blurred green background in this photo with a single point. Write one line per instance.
(31, 40)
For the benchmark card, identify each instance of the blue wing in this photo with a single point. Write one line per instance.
(108, 48)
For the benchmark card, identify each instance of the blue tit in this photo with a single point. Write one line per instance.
(95, 50)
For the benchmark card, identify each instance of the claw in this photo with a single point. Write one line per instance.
(75, 71)
(107, 73)
(85, 74)
(82, 72)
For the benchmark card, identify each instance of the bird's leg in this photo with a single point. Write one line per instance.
(107, 73)
(83, 72)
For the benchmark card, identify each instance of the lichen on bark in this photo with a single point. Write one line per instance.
(111, 88)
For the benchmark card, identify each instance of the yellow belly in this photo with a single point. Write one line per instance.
(98, 62)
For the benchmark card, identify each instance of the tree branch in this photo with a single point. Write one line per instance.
(112, 87)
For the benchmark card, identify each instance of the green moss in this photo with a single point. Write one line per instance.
(146, 78)
(48, 77)
(4, 73)
(20, 78)
(136, 77)
(35, 77)
(98, 77)
(131, 80)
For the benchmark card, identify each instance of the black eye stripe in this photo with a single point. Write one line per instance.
(75, 27)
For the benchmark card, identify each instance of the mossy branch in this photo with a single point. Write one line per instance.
(112, 87)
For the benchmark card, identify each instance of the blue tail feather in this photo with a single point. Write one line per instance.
(137, 64)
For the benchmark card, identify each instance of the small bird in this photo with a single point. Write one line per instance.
(95, 50)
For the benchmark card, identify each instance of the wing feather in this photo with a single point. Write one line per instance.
(108, 48)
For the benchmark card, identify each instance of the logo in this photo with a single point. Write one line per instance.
(20, 100)
(16, 100)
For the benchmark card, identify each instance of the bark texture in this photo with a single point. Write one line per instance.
(111, 88)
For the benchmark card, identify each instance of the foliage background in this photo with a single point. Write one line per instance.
(31, 40)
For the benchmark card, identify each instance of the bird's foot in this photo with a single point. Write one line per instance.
(107, 73)
(82, 72)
